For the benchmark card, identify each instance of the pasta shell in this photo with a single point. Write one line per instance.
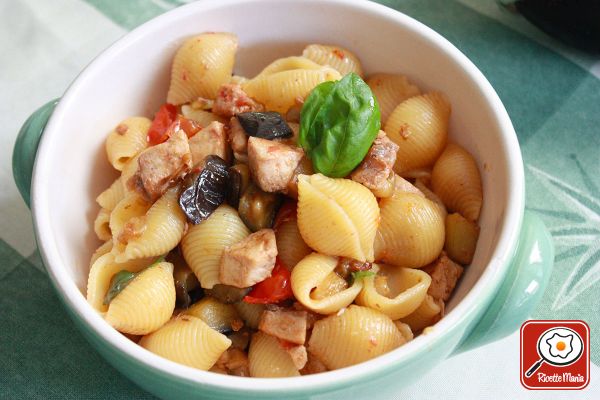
(102, 271)
(288, 64)
(423, 174)
(278, 91)
(146, 303)
(309, 274)
(291, 247)
(238, 80)
(405, 330)
(204, 243)
(414, 285)
(130, 207)
(431, 196)
(203, 117)
(411, 233)
(337, 217)
(461, 238)
(331, 285)
(101, 225)
(201, 65)
(391, 90)
(427, 314)
(268, 359)
(111, 196)
(106, 247)
(342, 60)
(456, 180)
(127, 140)
(189, 341)
(157, 233)
(419, 126)
(356, 335)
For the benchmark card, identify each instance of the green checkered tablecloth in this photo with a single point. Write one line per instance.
(552, 94)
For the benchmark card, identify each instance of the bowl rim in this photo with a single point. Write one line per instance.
(454, 321)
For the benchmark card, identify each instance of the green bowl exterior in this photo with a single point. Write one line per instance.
(26, 146)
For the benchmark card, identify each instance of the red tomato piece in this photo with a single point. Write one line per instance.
(274, 289)
(286, 212)
(189, 126)
(163, 119)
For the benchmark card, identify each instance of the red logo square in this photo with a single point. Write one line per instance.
(555, 354)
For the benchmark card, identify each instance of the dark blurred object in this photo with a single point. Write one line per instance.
(574, 22)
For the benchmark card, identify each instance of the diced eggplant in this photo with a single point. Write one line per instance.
(219, 316)
(227, 294)
(239, 179)
(265, 125)
(187, 287)
(208, 191)
(240, 339)
(258, 208)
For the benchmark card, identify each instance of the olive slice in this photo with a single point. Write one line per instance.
(208, 191)
(265, 125)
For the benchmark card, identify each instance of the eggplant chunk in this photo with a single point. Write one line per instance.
(265, 125)
(208, 191)
(239, 179)
(228, 294)
(187, 287)
(258, 208)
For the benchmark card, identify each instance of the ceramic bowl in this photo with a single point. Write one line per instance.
(514, 254)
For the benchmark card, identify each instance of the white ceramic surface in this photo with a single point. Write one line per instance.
(131, 78)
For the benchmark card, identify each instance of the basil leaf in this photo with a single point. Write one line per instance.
(121, 279)
(118, 282)
(338, 123)
(361, 274)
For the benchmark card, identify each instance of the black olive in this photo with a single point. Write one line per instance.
(258, 208)
(239, 178)
(265, 125)
(208, 191)
(227, 294)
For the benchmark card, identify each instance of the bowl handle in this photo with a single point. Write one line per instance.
(522, 289)
(26, 147)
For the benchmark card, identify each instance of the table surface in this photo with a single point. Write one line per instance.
(551, 92)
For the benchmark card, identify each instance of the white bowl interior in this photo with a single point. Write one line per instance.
(132, 79)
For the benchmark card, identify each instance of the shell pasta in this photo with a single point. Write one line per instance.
(358, 334)
(268, 359)
(146, 303)
(309, 273)
(414, 284)
(286, 223)
(127, 140)
(201, 65)
(188, 341)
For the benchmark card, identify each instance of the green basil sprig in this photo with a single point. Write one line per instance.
(118, 282)
(338, 123)
(356, 275)
(121, 279)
